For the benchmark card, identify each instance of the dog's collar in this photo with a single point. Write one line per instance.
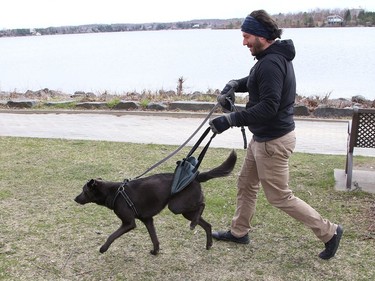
(121, 191)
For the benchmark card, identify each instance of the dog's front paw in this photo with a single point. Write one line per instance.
(103, 249)
(154, 252)
(209, 244)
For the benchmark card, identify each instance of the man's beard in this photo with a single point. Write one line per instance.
(257, 47)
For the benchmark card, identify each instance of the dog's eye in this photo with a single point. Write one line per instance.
(85, 191)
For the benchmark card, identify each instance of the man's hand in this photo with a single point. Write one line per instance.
(222, 123)
(228, 93)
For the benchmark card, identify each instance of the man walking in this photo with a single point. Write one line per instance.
(271, 85)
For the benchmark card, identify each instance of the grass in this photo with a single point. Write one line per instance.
(45, 235)
(112, 103)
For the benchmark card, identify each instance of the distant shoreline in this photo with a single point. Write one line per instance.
(311, 19)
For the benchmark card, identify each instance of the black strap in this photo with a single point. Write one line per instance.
(182, 145)
(121, 191)
(234, 108)
(203, 152)
(196, 145)
(187, 169)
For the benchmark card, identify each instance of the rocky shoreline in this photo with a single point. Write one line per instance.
(314, 107)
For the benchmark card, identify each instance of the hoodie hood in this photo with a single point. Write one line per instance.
(280, 47)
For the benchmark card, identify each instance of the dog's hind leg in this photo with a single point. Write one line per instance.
(123, 229)
(149, 223)
(207, 227)
(194, 216)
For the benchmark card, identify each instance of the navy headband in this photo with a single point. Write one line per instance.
(254, 27)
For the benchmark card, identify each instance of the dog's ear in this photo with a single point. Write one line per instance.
(91, 183)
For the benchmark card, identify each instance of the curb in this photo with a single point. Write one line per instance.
(180, 114)
(178, 109)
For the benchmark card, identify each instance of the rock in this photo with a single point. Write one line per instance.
(22, 103)
(78, 94)
(301, 110)
(92, 105)
(126, 105)
(157, 106)
(90, 95)
(332, 112)
(359, 99)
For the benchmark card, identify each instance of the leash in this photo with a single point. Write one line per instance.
(203, 152)
(187, 169)
(233, 107)
(199, 141)
(182, 145)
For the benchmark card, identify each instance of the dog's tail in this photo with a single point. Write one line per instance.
(221, 171)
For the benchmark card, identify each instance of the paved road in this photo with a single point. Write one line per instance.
(313, 136)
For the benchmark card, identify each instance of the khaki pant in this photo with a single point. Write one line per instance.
(267, 163)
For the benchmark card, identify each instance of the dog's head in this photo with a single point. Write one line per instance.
(92, 193)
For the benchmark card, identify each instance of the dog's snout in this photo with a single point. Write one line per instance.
(80, 199)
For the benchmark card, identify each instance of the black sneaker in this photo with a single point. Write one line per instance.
(332, 245)
(227, 236)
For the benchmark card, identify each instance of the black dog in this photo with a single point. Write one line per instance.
(146, 197)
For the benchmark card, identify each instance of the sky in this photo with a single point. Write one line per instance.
(47, 13)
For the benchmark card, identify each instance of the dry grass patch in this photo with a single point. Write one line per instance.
(45, 235)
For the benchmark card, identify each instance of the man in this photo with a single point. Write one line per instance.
(271, 85)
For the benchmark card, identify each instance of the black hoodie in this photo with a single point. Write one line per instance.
(272, 89)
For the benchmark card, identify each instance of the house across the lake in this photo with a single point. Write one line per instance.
(335, 20)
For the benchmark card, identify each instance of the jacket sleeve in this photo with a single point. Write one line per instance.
(242, 85)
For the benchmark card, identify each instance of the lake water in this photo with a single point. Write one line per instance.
(339, 61)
